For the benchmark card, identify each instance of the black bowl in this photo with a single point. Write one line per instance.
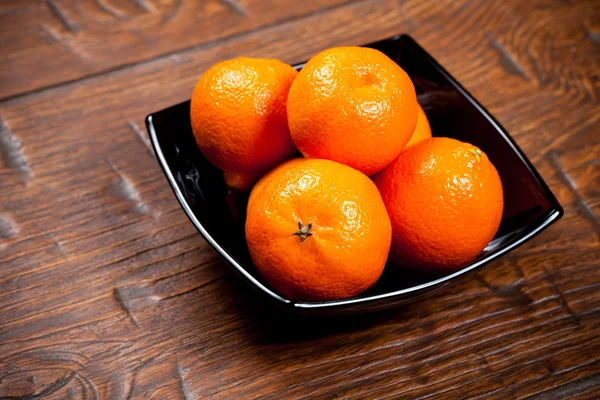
(219, 213)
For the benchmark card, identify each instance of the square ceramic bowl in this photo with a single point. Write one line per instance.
(219, 214)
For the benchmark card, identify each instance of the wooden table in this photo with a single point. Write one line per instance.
(108, 292)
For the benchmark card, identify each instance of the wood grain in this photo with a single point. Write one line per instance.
(108, 292)
(68, 36)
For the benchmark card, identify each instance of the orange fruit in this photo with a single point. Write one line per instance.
(353, 105)
(258, 186)
(445, 202)
(422, 130)
(238, 116)
(318, 230)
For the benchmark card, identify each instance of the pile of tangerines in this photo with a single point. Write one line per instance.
(373, 184)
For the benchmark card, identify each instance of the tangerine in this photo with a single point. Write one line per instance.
(238, 116)
(445, 202)
(318, 230)
(422, 130)
(353, 105)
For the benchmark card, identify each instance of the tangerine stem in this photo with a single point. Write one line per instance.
(303, 231)
(477, 154)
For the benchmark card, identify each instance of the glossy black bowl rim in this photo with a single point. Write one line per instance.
(544, 221)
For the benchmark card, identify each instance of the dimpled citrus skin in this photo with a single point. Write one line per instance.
(351, 231)
(353, 105)
(422, 130)
(238, 116)
(258, 186)
(445, 202)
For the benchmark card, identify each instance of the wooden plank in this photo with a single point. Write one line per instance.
(108, 292)
(67, 37)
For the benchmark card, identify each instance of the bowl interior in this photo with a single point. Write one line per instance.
(220, 213)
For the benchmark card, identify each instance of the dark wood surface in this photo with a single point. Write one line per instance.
(108, 292)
